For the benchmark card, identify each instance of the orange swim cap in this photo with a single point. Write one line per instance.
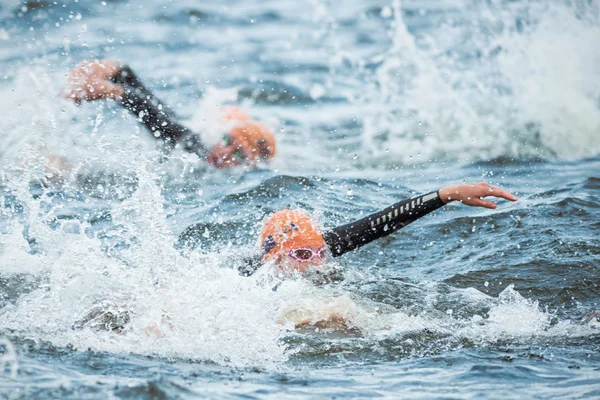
(288, 230)
(246, 141)
(256, 140)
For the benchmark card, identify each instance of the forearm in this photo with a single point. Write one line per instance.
(154, 119)
(356, 234)
(130, 81)
(154, 114)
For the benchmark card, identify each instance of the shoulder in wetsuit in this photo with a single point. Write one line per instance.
(155, 115)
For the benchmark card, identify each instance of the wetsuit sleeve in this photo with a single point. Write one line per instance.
(155, 115)
(356, 234)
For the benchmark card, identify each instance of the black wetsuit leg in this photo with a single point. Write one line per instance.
(356, 234)
(155, 115)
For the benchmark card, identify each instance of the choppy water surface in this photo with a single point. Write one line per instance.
(372, 102)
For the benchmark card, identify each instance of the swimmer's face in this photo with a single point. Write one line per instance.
(303, 260)
(247, 144)
(229, 153)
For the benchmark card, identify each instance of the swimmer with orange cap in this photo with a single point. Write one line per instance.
(293, 241)
(245, 142)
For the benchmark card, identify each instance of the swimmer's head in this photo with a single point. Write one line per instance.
(247, 142)
(293, 240)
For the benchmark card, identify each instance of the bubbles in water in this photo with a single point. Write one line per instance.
(8, 358)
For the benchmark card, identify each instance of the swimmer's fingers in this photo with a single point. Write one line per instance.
(219, 156)
(90, 80)
(484, 189)
(477, 202)
(94, 89)
(472, 194)
(69, 94)
(153, 329)
(501, 193)
(108, 90)
(99, 69)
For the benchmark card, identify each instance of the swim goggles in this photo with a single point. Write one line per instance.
(306, 255)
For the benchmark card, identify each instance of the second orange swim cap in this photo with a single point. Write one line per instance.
(256, 140)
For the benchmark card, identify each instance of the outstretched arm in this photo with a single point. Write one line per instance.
(356, 234)
(106, 79)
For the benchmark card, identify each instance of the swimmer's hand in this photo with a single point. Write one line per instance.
(471, 194)
(91, 80)
(333, 321)
(336, 314)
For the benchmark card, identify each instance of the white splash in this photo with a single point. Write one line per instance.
(552, 71)
(537, 96)
(8, 358)
(214, 311)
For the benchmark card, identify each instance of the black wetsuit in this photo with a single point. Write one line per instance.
(155, 115)
(356, 234)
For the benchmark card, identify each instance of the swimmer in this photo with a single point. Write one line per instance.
(246, 142)
(292, 242)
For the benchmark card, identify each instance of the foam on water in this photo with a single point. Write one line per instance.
(215, 311)
(8, 358)
(551, 70)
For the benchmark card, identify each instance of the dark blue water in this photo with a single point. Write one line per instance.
(371, 102)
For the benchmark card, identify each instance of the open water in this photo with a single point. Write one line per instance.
(371, 101)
